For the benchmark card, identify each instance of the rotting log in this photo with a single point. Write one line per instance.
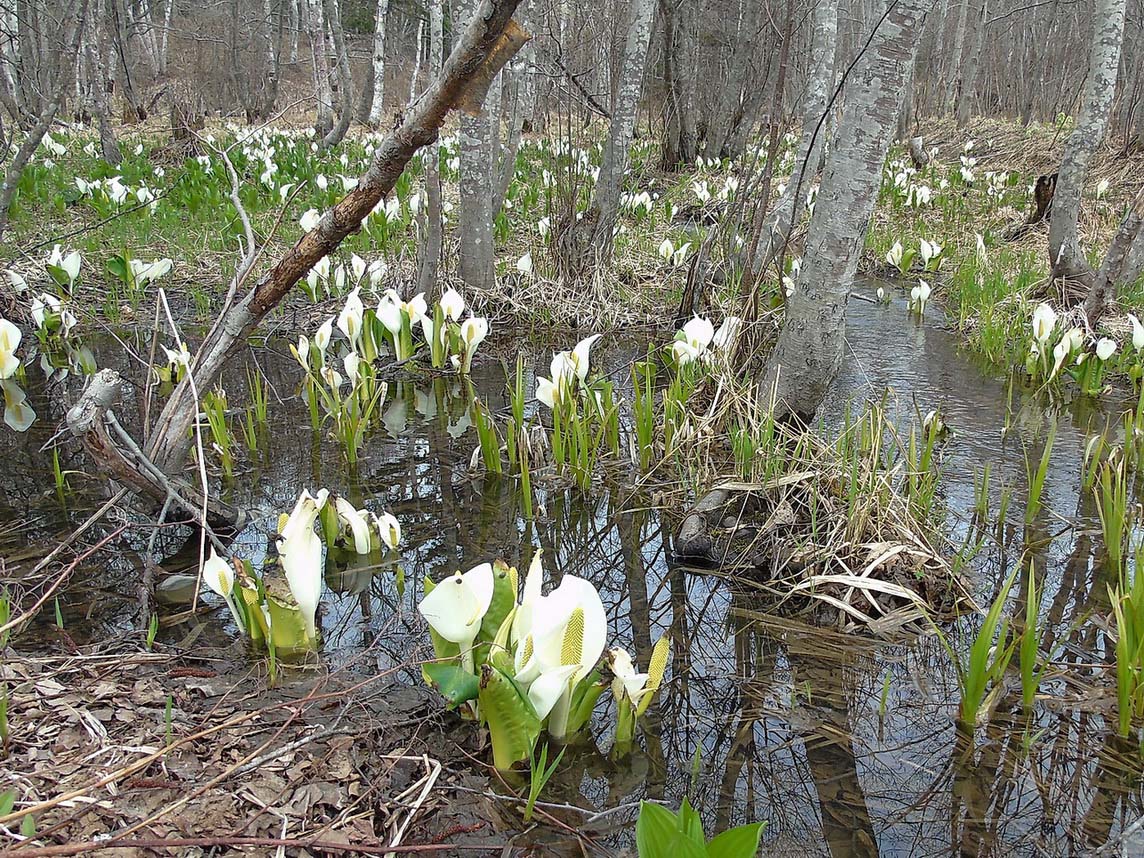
(490, 40)
(88, 421)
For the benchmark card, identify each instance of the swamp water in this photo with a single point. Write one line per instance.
(844, 745)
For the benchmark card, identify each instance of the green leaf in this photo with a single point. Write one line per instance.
(741, 842)
(117, 268)
(454, 683)
(7, 802)
(513, 725)
(28, 826)
(659, 834)
(690, 824)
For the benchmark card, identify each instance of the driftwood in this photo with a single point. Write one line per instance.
(92, 421)
(490, 34)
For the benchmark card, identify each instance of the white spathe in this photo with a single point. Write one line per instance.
(1044, 321)
(457, 606)
(452, 304)
(389, 528)
(355, 520)
(10, 337)
(350, 319)
(300, 550)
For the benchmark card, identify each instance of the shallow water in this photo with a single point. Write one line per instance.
(763, 720)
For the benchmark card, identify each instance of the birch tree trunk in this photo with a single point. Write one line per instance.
(168, 12)
(810, 348)
(270, 92)
(475, 224)
(967, 86)
(589, 239)
(377, 108)
(317, 31)
(788, 210)
(954, 71)
(1065, 254)
(434, 228)
(345, 76)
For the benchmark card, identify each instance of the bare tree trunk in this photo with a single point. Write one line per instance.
(788, 210)
(377, 109)
(583, 241)
(1065, 254)
(420, 50)
(681, 143)
(475, 224)
(810, 348)
(967, 86)
(296, 15)
(431, 248)
(954, 71)
(733, 95)
(270, 93)
(77, 13)
(167, 14)
(489, 40)
(101, 86)
(317, 32)
(345, 77)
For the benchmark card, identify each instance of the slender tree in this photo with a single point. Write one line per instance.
(377, 108)
(810, 347)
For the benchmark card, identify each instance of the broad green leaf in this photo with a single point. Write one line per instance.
(7, 802)
(741, 842)
(454, 683)
(513, 725)
(690, 824)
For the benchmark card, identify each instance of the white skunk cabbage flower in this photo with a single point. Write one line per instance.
(691, 343)
(355, 521)
(352, 315)
(1137, 332)
(456, 607)
(389, 529)
(1044, 321)
(10, 337)
(218, 575)
(300, 550)
(452, 304)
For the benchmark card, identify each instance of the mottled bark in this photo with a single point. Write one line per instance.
(432, 239)
(345, 76)
(315, 22)
(590, 238)
(775, 231)
(377, 109)
(957, 55)
(810, 348)
(1065, 253)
